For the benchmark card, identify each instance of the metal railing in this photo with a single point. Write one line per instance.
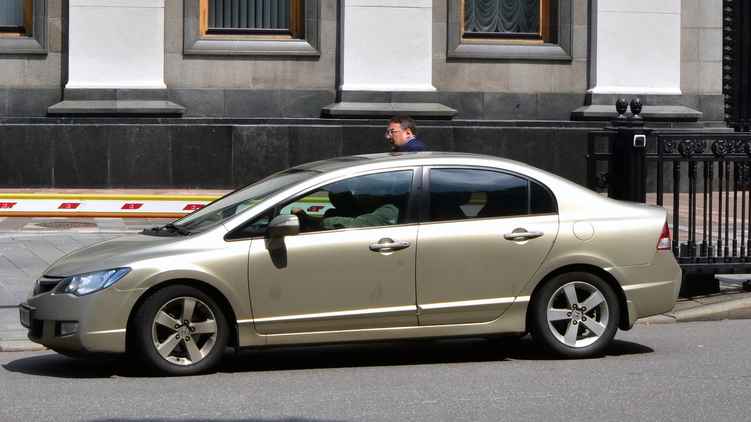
(709, 174)
(704, 182)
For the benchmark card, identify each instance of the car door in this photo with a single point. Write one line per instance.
(353, 269)
(484, 235)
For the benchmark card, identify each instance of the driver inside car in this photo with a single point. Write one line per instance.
(373, 199)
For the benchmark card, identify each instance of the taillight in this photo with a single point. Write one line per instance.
(664, 243)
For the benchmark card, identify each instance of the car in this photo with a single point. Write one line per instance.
(363, 248)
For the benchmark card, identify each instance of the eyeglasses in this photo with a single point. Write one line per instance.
(391, 132)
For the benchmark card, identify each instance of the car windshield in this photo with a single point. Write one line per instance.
(241, 199)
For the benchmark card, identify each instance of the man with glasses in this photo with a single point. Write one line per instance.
(402, 135)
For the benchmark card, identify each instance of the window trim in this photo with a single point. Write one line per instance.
(35, 21)
(556, 45)
(196, 41)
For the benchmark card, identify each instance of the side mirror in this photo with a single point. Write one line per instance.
(281, 227)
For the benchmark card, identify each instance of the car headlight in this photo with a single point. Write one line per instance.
(83, 284)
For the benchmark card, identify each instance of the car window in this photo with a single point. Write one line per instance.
(458, 194)
(365, 201)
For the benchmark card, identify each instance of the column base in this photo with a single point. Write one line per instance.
(116, 102)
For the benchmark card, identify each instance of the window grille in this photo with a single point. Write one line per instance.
(252, 16)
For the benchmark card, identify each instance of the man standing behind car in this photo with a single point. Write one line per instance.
(402, 135)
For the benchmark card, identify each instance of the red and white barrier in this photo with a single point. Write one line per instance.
(95, 205)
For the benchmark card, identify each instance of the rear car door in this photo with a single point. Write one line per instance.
(484, 233)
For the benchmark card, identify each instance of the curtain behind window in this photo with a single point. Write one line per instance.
(249, 14)
(11, 13)
(502, 16)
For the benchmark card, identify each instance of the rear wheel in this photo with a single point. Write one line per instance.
(179, 330)
(574, 315)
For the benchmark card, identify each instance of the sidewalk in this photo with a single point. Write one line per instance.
(28, 245)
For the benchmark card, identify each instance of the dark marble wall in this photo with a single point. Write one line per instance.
(222, 154)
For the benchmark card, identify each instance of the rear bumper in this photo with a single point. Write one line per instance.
(651, 289)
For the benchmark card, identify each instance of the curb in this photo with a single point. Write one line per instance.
(20, 346)
(733, 308)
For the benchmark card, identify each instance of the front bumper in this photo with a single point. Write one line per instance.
(101, 319)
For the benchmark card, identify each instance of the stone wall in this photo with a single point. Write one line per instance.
(213, 154)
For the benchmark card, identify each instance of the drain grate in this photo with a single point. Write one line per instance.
(65, 224)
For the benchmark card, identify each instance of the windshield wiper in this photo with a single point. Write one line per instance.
(178, 228)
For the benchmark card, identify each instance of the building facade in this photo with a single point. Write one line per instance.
(218, 93)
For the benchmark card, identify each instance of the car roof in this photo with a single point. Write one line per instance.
(402, 158)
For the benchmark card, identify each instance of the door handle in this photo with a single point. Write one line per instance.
(388, 245)
(521, 235)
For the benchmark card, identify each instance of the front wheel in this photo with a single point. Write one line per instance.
(574, 315)
(179, 330)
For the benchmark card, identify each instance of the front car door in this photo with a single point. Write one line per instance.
(351, 267)
(484, 235)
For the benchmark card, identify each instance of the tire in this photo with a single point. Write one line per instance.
(574, 315)
(179, 330)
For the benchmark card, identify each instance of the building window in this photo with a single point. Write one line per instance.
(510, 29)
(506, 19)
(278, 18)
(16, 17)
(252, 27)
(23, 27)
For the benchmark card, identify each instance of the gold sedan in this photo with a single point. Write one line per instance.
(366, 248)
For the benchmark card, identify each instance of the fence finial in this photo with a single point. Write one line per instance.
(621, 106)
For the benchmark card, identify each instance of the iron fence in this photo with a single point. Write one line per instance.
(704, 182)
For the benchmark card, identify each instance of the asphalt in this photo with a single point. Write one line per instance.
(28, 245)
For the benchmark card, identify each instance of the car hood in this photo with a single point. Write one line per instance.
(111, 253)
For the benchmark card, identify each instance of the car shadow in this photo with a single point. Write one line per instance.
(429, 352)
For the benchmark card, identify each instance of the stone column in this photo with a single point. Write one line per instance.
(116, 44)
(636, 47)
(116, 59)
(386, 60)
(387, 45)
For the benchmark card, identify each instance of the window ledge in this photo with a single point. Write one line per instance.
(234, 46)
(21, 45)
(509, 51)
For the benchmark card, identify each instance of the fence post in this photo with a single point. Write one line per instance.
(628, 169)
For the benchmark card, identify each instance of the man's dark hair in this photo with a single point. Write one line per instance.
(405, 122)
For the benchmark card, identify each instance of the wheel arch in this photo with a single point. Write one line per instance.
(214, 293)
(623, 322)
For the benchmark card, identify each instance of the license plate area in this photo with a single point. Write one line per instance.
(26, 315)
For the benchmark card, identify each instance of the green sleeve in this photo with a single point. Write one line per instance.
(383, 216)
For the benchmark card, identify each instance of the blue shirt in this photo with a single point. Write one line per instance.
(413, 145)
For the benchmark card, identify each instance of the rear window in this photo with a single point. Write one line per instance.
(457, 194)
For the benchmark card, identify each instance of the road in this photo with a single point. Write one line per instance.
(694, 371)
